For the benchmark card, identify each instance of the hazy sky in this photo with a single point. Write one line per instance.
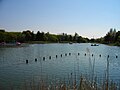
(86, 17)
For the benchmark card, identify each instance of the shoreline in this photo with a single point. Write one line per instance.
(8, 45)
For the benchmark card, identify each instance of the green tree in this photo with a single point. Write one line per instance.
(27, 34)
(110, 36)
(75, 37)
(38, 37)
(117, 36)
(70, 38)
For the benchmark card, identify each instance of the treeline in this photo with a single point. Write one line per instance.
(28, 36)
(112, 37)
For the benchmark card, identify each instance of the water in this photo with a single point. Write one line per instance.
(14, 71)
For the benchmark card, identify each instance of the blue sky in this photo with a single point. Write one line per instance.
(86, 17)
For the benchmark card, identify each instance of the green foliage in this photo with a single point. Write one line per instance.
(112, 38)
(2, 36)
(2, 30)
(100, 40)
(9, 36)
(51, 37)
(28, 36)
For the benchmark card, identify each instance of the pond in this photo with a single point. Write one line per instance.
(55, 62)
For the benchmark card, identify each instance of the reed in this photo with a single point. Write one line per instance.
(83, 84)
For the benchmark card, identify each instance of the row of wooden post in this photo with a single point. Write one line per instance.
(65, 55)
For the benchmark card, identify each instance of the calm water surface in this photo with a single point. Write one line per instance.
(15, 72)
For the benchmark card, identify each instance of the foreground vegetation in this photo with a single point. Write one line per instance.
(70, 83)
(111, 38)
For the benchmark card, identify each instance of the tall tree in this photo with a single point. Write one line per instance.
(75, 36)
(38, 37)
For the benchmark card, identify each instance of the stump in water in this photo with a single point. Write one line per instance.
(69, 54)
(92, 55)
(49, 57)
(61, 55)
(35, 59)
(26, 61)
(56, 56)
(66, 54)
(43, 58)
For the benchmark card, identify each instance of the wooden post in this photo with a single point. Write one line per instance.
(69, 54)
(56, 56)
(26, 61)
(43, 58)
(61, 55)
(35, 59)
(49, 57)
